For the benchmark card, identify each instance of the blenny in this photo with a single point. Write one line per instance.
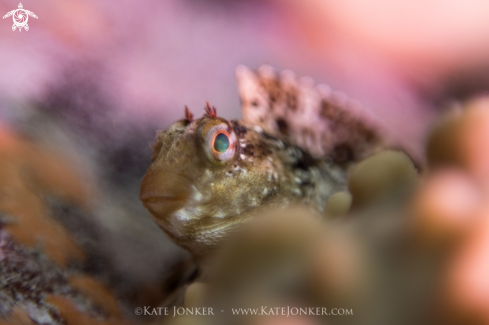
(295, 145)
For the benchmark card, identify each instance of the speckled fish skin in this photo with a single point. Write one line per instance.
(198, 202)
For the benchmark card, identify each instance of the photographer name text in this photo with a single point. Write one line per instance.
(261, 311)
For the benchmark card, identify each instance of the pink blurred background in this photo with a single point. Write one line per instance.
(149, 59)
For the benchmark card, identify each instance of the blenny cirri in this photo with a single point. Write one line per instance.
(295, 144)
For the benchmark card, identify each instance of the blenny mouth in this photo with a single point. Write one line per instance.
(151, 198)
(162, 206)
(163, 193)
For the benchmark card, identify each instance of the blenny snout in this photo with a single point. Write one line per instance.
(163, 192)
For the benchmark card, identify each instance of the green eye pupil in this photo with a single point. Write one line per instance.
(221, 143)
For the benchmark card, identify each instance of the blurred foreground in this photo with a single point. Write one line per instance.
(400, 247)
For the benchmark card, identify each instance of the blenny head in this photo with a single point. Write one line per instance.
(210, 175)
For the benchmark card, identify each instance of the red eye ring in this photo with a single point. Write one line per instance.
(221, 142)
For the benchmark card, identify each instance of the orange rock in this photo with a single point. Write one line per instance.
(72, 316)
(98, 293)
(18, 317)
(25, 174)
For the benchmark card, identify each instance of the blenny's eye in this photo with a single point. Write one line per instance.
(219, 143)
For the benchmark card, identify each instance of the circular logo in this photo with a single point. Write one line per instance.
(20, 17)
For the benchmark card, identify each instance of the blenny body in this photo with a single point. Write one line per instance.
(295, 144)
